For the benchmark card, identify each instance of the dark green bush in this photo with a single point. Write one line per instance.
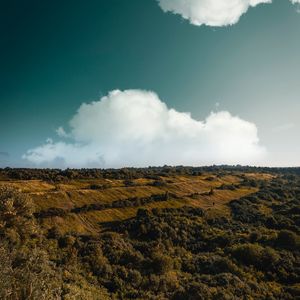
(288, 239)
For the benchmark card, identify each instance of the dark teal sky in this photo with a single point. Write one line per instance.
(54, 55)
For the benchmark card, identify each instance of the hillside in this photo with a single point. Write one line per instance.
(157, 233)
(76, 205)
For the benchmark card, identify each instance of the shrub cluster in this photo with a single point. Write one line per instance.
(253, 252)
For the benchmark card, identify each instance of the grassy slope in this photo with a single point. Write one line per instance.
(188, 190)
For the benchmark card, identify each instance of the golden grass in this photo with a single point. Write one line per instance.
(28, 186)
(262, 176)
(70, 223)
(77, 193)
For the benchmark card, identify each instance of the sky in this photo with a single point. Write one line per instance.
(114, 83)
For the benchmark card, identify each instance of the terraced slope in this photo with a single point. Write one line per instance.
(84, 206)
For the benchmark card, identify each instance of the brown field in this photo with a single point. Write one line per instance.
(184, 191)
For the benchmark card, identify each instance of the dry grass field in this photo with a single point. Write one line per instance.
(157, 233)
(195, 191)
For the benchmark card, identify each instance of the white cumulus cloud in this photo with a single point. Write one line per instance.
(210, 12)
(135, 128)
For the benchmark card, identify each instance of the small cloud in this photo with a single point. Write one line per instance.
(296, 2)
(49, 141)
(135, 128)
(61, 132)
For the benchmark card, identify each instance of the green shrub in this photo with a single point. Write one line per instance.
(288, 239)
(162, 263)
(256, 255)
